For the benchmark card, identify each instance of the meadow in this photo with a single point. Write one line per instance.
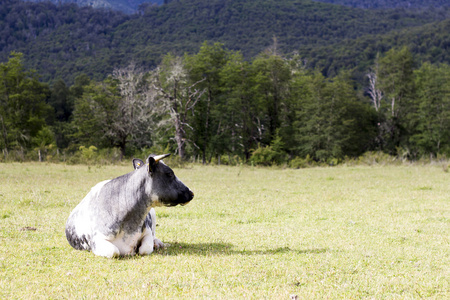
(345, 232)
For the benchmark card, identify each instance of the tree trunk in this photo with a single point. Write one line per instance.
(122, 147)
(206, 127)
(179, 137)
(393, 106)
(4, 134)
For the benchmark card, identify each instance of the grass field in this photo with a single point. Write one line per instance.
(249, 233)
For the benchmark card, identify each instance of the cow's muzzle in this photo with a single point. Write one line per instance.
(189, 197)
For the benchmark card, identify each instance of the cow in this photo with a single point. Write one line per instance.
(117, 218)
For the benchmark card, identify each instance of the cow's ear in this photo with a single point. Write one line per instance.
(151, 165)
(154, 160)
(138, 163)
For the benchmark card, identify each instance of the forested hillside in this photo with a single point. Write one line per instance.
(63, 41)
(265, 82)
(131, 6)
(430, 43)
(390, 3)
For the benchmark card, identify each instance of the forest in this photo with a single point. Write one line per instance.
(216, 106)
(389, 3)
(64, 41)
(261, 82)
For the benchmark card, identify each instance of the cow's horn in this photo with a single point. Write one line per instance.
(159, 157)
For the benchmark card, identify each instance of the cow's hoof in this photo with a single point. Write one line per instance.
(158, 244)
(145, 250)
(105, 249)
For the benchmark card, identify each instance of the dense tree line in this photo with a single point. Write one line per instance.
(64, 40)
(429, 43)
(59, 40)
(23, 107)
(215, 104)
(389, 3)
(131, 6)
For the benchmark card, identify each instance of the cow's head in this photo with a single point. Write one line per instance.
(166, 188)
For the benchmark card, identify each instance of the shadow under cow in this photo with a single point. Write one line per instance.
(207, 249)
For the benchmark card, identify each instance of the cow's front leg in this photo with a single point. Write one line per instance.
(103, 247)
(147, 241)
(147, 245)
(156, 242)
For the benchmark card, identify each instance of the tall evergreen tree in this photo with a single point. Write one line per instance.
(430, 119)
(273, 78)
(397, 85)
(243, 106)
(331, 122)
(206, 66)
(23, 107)
(61, 100)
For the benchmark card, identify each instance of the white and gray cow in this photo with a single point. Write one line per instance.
(116, 217)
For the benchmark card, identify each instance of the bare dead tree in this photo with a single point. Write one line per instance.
(273, 49)
(176, 97)
(375, 93)
(135, 115)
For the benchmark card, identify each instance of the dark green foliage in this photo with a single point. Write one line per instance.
(273, 154)
(130, 6)
(272, 78)
(243, 109)
(59, 41)
(63, 41)
(396, 83)
(266, 111)
(429, 120)
(389, 3)
(430, 43)
(23, 108)
(62, 101)
(209, 118)
(331, 121)
(254, 105)
(93, 113)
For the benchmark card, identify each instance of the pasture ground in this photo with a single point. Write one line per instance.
(249, 233)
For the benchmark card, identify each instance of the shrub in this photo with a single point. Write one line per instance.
(269, 155)
(264, 156)
(374, 158)
(227, 159)
(300, 163)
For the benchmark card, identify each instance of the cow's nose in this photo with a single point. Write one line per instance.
(190, 195)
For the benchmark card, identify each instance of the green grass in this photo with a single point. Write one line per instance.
(249, 233)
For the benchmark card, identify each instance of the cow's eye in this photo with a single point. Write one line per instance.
(171, 174)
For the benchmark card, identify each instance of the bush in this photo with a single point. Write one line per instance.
(84, 155)
(300, 163)
(18, 154)
(108, 156)
(227, 159)
(269, 155)
(375, 158)
(264, 156)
